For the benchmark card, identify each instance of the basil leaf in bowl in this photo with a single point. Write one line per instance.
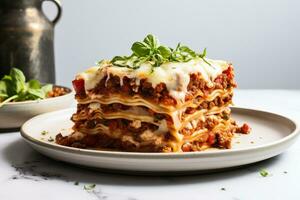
(13, 87)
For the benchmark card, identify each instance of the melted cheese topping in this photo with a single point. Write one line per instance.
(175, 75)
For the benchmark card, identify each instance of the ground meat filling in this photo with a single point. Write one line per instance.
(103, 141)
(208, 124)
(137, 133)
(134, 128)
(210, 139)
(160, 94)
(127, 126)
(217, 102)
(113, 124)
(244, 129)
(116, 107)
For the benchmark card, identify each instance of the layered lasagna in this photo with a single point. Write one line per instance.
(171, 107)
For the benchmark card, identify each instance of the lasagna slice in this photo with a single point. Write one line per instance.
(131, 104)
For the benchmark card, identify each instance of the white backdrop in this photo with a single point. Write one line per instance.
(261, 38)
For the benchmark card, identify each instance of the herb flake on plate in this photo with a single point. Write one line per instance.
(89, 186)
(44, 132)
(50, 139)
(263, 173)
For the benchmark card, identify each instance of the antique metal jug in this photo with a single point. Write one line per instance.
(26, 39)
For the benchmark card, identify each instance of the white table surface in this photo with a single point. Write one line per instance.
(25, 174)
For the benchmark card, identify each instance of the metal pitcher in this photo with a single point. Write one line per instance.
(26, 39)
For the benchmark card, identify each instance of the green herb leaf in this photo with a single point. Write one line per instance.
(89, 186)
(203, 53)
(47, 88)
(34, 84)
(140, 49)
(118, 58)
(9, 85)
(36, 94)
(3, 90)
(14, 87)
(23, 96)
(164, 51)
(152, 41)
(100, 62)
(17, 74)
(263, 173)
(18, 80)
(187, 51)
(150, 50)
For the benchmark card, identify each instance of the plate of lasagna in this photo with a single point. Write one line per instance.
(159, 110)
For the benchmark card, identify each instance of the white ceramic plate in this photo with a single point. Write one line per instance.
(14, 114)
(271, 135)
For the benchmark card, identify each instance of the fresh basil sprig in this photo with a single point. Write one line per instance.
(13, 87)
(150, 50)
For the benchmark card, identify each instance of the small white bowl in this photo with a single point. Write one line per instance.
(14, 114)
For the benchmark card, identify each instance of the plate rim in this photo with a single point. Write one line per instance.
(171, 155)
